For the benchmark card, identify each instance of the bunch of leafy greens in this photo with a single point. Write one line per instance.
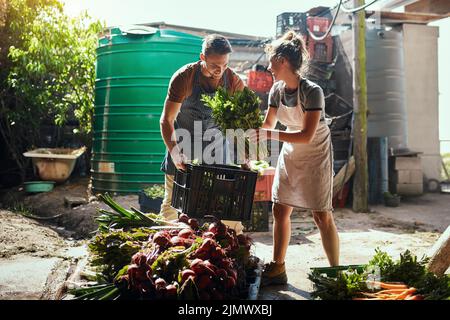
(344, 286)
(121, 218)
(235, 111)
(113, 250)
(413, 272)
(408, 270)
(238, 111)
(155, 191)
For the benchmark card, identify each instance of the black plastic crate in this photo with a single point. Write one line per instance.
(225, 192)
(260, 217)
(147, 204)
(295, 21)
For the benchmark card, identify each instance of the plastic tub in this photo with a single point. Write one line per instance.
(39, 186)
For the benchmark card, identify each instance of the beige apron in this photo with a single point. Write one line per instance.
(304, 174)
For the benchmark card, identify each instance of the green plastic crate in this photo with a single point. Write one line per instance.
(333, 271)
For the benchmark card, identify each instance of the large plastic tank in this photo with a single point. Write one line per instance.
(386, 87)
(134, 67)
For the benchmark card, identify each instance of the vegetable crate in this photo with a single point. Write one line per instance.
(147, 204)
(263, 189)
(333, 271)
(223, 191)
(260, 217)
(259, 81)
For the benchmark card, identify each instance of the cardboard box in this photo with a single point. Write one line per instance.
(408, 163)
(409, 189)
(409, 176)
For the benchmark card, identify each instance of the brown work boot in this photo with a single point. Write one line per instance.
(273, 274)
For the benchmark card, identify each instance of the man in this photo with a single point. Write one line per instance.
(183, 109)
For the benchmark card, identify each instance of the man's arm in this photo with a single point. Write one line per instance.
(166, 122)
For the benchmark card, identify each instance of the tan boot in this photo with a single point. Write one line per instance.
(273, 274)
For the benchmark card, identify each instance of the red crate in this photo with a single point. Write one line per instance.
(340, 200)
(321, 51)
(259, 81)
(263, 189)
(317, 25)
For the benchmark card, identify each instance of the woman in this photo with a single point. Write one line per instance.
(304, 174)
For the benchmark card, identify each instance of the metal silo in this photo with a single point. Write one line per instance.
(386, 87)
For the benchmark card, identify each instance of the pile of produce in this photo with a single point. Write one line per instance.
(167, 260)
(240, 110)
(155, 191)
(383, 279)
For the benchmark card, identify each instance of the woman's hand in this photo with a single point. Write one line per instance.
(257, 135)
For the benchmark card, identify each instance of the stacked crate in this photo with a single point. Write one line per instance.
(261, 202)
(320, 50)
(406, 175)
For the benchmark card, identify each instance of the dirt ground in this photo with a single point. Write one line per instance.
(38, 255)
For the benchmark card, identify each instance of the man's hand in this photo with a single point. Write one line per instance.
(178, 158)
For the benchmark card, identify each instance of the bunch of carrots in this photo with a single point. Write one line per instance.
(391, 291)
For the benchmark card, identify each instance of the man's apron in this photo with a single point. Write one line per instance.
(193, 109)
(304, 174)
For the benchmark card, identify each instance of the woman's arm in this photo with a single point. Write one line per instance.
(310, 124)
(270, 121)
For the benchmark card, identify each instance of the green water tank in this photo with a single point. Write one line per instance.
(134, 67)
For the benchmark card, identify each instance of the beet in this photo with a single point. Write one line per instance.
(197, 266)
(208, 234)
(183, 218)
(161, 239)
(160, 283)
(173, 232)
(177, 241)
(185, 274)
(232, 273)
(221, 273)
(193, 223)
(213, 228)
(231, 282)
(171, 291)
(185, 233)
(204, 281)
(139, 259)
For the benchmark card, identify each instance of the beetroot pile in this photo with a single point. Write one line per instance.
(184, 261)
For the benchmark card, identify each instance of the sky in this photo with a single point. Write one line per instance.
(250, 17)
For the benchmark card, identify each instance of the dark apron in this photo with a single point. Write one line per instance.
(193, 109)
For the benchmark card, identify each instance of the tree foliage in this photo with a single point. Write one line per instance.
(47, 62)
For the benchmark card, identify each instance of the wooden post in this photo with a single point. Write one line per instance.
(360, 184)
(440, 254)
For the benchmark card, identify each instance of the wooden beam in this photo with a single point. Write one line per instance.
(440, 254)
(411, 17)
(360, 184)
(344, 174)
(430, 6)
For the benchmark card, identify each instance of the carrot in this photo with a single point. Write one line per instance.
(391, 291)
(414, 297)
(405, 293)
(385, 285)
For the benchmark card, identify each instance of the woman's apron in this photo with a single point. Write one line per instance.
(194, 110)
(304, 174)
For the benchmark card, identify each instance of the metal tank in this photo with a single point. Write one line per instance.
(386, 87)
(134, 67)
